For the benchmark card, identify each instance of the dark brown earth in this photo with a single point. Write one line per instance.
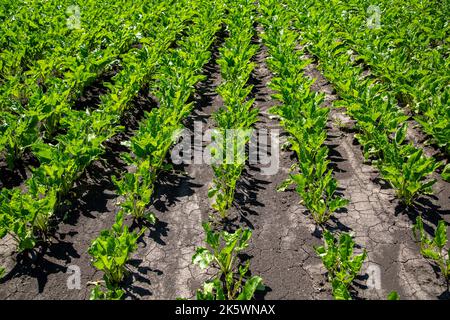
(281, 249)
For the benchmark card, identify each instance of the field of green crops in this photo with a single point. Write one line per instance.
(314, 138)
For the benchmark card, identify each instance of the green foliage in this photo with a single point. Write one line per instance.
(231, 282)
(342, 265)
(434, 248)
(393, 296)
(337, 34)
(110, 252)
(179, 72)
(111, 293)
(37, 99)
(235, 119)
(85, 132)
(446, 173)
(149, 148)
(302, 114)
(26, 217)
(407, 174)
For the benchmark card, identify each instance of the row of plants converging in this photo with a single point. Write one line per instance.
(381, 123)
(405, 44)
(234, 122)
(179, 71)
(36, 101)
(305, 119)
(27, 215)
(236, 118)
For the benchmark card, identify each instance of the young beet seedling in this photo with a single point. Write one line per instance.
(231, 282)
(434, 249)
(393, 296)
(110, 252)
(25, 217)
(341, 264)
(137, 189)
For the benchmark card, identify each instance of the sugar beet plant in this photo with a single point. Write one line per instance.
(434, 248)
(26, 215)
(379, 120)
(302, 114)
(231, 281)
(235, 119)
(179, 71)
(342, 265)
(110, 252)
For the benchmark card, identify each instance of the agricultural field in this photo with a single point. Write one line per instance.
(224, 150)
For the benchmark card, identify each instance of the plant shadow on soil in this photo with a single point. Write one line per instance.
(139, 274)
(87, 196)
(34, 264)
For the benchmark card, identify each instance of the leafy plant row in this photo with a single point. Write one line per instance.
(178, 73)
(231, 279)
(305, 119)
(408, 51)
(434, 249)
(381, 123)
(28, 31)
(26, 216)
(302, 115)
(43, 96)
(235, 119)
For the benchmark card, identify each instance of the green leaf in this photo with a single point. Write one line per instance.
(446, 173)
(340, 291)
(212, 192)
(285, 184)
(440, 237)
(150, 217)
(202, 257)
(251, 285)
(393, 296)
(400, 135)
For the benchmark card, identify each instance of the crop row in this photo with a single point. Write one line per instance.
(405, 44)
(26, 216)
(380, 121)
(235, 119)
(305, 118)
(179, 71)
(35, 104)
